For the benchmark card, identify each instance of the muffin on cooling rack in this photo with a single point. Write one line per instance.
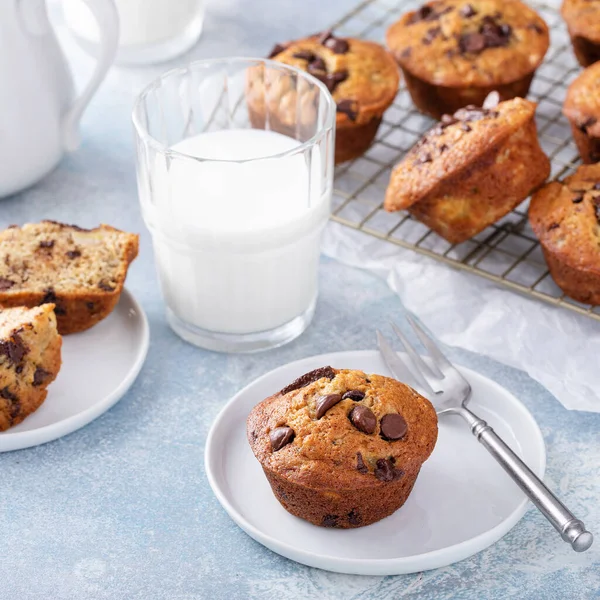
(583, 22)
(341, 448)
(471, 169)
(565, 217)
(582, 108)
(362, 77)
(455, 52)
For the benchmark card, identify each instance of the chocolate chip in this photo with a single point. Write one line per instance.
(14, 349)
(316, 64)
(339, 76)
(47, 244)
(5, 284)
(90, 306)
(337, 45)
(19, 369)
(553, 226)
(308, 378)
(354, 517)
(596, 186)
(323, 37)
(304, 55)
(73, 254)
(537, 28)
(280, 437)
(60, 311)
(421, 14)
(49, 296)
(577, 199)
(346, 107)
(107, 287)
(277, 49)
(330, 521)
(324, 403)
(7, 394)
(406, 52)
(471, 42)
(363, 419)
(393, 427)
(467, 11)
(40, 376)
(587, 123)
(431, 35)
(443, 148)
(355, 395)
(360, 464)
(385, 470)
(491, 100)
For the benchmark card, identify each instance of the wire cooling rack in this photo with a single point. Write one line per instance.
(506, 252)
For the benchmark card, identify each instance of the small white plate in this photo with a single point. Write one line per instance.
(462, 502)
(98, 367)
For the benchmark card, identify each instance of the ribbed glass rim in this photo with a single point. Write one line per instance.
(144, 135)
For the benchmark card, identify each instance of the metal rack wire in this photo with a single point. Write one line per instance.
(506, 252)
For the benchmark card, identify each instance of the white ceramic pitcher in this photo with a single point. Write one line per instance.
(39, 116)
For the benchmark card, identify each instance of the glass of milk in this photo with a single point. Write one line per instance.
(235, 168)
(150, 31)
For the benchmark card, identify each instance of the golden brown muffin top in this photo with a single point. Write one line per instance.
(454, 144)
(461, 43)
(342, 429)
(565, 216)
(362, 76)
(582, 103)
(583, 18)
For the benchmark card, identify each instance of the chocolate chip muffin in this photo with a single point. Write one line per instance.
(30, 359)
(455, 52)
(362, 77)
(471, 169)
(583, 22)
(565, 217)
(341, 448)
(582, 108)
(81, 271)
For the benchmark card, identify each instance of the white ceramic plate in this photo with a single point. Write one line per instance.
(99, 366)
(462, 501)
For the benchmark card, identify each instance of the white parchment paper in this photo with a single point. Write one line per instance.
(555, 346)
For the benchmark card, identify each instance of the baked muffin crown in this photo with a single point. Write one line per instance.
(344, 430)
(362, 76)
(458, 43)
(583, 18)
(582, 102)
(452, 146)
(565, 216)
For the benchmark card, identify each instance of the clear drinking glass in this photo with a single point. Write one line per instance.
(150, 31)
(235, 169)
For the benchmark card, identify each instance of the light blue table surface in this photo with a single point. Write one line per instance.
(122, 508)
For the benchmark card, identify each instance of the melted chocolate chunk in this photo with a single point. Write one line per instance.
(431, 35)
(90, 306)
(280, 437)
(577, 199)
(363, 418)
(393, 427)
(346, 107)
(47, 244)
(5, 284)
(427, 13)
(49, 296)
(467, 11)
(553, 226)
(277, 49)
(336, 45)
(73, 254)
(471, 42)
(7, 394)
(324, 403)
(330, 521)
(490, 35)
(14, 349)
(316, 64)
(103, 285)
(354, 517)
(385, 470)
(309, 378)
(355, 395)
(360, 464)
(305, 55)
(40, 376)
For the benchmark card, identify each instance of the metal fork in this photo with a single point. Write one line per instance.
(450, 393)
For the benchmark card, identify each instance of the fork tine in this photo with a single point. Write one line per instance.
(420, 370)
(426, 369)
(440, 361)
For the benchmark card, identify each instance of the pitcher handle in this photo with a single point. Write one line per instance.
(105, 13)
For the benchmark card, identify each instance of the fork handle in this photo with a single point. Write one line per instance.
(571, 529)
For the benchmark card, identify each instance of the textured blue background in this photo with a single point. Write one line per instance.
(122, 509)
